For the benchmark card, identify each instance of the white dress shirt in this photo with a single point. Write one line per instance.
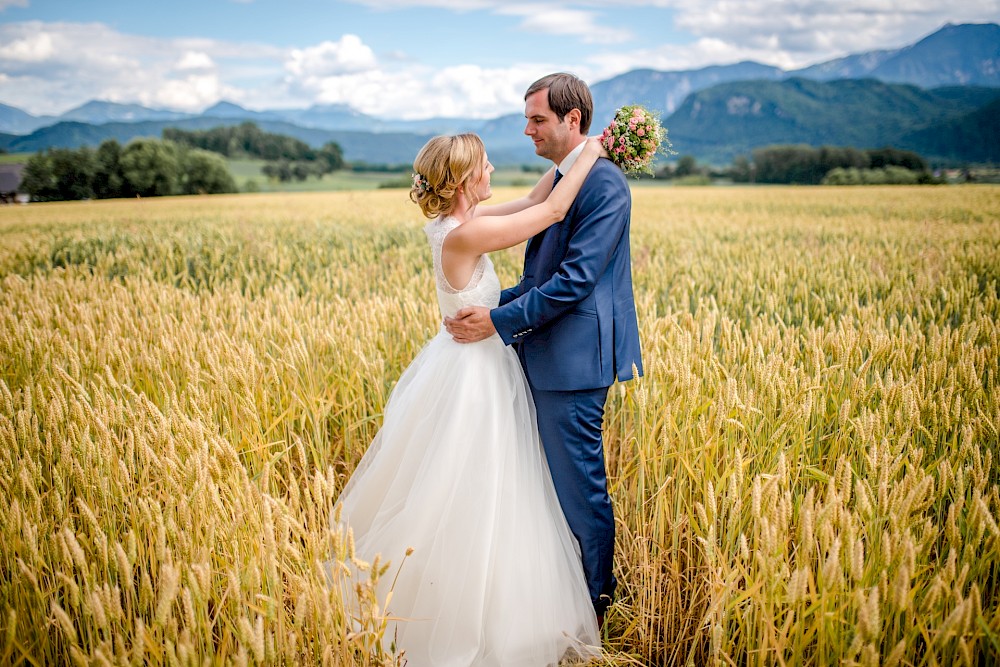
(570, 158)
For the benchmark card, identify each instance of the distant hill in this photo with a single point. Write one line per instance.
(733, 118)
(665, 91)
(967, 55)
(385, 147)
(974, 137)
(964, 55)
(955, 55)
(16, 121)
(857, 66)
(97, 112)
(714, 124)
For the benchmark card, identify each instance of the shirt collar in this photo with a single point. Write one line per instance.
(568, 161)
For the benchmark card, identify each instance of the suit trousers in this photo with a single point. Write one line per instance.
(569, 423)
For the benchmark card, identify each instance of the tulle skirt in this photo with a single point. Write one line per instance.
(457, 472)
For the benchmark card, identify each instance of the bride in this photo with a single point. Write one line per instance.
(457, 471)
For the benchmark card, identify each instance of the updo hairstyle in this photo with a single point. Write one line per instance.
(444, 164)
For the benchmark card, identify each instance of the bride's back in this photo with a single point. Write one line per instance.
(483, 288)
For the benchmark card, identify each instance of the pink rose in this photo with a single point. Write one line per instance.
(641, 132)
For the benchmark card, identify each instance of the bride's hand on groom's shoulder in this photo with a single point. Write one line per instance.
(597, 141)
(470, 325)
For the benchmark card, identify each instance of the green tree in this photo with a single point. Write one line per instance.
(248, 140)
(60, 174)
(788, 164)
(206, 173)
(330, 157)
(686, 166)
(109, 181)
(280, 170)
(301, 170)
(831, 157)
(37, 178)
(742, 170)
(893, 157)
(152, 168)
(74, 172)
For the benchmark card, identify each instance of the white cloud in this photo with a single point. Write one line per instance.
(797, 33)
(191, 93)
(558, 20)
(4, 4)
(195, 60)
(552, 18)
(51, 67)
(786, 33)
(672, 57)
(347, 56)
(347, 72)
(29, 49)
(481, 92)
(416, 91)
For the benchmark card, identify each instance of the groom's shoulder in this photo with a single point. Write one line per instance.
(606, 174)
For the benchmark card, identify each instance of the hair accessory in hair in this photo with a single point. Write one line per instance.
(420, 183)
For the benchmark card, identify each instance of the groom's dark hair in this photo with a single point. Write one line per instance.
(566, 92)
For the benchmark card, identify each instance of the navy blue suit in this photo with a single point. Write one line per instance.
(572, 321)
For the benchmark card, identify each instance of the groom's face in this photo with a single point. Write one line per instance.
(552, 137)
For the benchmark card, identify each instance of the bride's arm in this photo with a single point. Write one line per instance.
(486, 233)
(536, 196)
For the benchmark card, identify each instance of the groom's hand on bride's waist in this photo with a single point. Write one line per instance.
(470, 325)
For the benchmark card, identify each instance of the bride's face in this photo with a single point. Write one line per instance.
(481, 183)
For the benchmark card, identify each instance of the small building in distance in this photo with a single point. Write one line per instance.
(10, 184)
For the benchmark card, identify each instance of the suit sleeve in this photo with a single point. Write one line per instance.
(510, 294)
(601, 215)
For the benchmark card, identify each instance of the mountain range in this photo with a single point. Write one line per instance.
(920, 97)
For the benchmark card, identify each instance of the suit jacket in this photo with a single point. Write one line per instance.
(572, 315)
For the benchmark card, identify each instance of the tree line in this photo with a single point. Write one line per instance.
(288, 158)
(193, 162)
(182, 163)
(143, 167)
(809, 165)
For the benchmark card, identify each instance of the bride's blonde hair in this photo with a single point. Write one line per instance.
(443, 165)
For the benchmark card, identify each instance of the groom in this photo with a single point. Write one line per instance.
(572, 321)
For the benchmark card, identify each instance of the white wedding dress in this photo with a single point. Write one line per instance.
(457, 472)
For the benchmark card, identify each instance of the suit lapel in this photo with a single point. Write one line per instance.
(537, 238)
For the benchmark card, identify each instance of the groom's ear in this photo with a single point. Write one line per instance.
(572, 119)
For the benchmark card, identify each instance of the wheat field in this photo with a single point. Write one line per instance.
(805, 475)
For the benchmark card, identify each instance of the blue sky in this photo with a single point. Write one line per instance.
(414, 58)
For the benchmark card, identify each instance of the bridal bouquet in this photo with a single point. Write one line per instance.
(633, 138)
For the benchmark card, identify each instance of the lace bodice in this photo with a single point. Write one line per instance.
(484, 286)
